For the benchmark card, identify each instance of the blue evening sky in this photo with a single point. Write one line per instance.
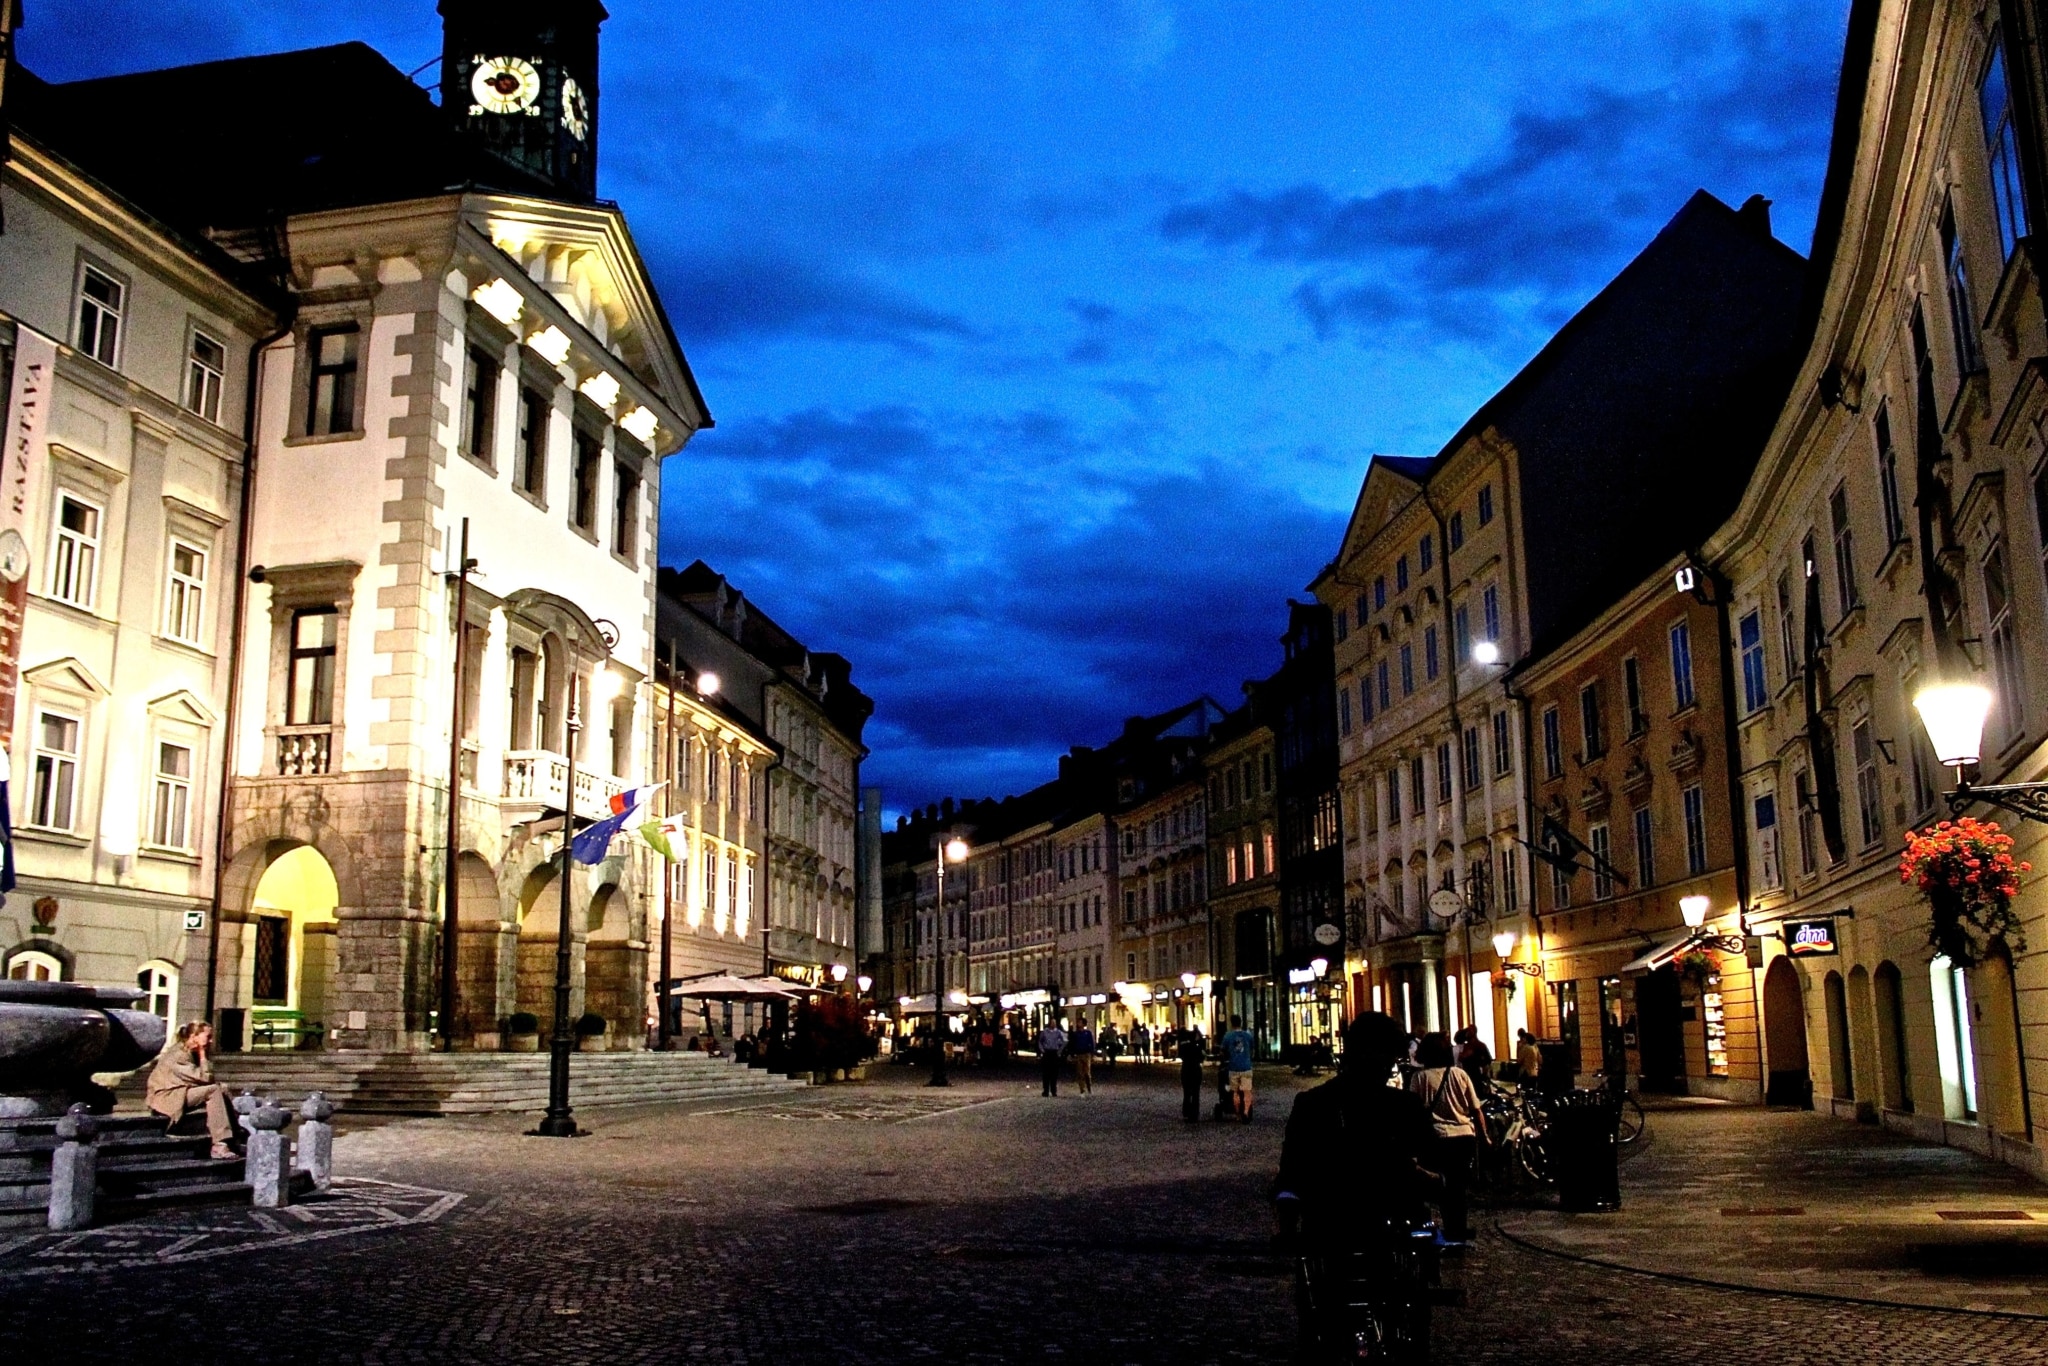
(1048, 342)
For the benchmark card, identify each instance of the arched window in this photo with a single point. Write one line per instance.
(159, 984)
(33, 965)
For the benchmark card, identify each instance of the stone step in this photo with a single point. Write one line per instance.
(183, 1196)
(121, 1181)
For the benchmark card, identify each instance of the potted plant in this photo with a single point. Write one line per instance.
(831, 1036)
(1697, 967)
(1966, 870)
(522, 1032)
(591, 1031)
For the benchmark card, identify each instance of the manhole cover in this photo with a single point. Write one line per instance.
(846, 1208)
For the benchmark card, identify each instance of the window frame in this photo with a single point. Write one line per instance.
(1553, 743)
(205, 384)
(586, 456)
(346, 382)
(1848, 590)
(98, 346)
(67, 769)
(1749, 648)
(295, 653)
(2001, 148)
(93, 544)
(1692, 801)
(482, 377)
(178, 790)
(185, 594)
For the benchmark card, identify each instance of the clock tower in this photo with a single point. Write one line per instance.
(520, 78)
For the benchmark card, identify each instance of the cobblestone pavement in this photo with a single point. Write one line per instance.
(979, 1225)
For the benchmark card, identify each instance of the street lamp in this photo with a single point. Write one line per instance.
(1694, 909)
(864, 982)
(1953, 714)
(838, 972)
(1485, 652)
(953, 850)
(707, 685)
(560, 1120)
(1504, 944)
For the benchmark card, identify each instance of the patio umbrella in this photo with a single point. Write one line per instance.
(724, 986)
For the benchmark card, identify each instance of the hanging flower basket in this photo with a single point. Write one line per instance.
(1966, 870)
(1696, 966)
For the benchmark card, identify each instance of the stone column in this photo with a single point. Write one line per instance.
(74, 1171)
(266, 1168)
(1432, 1005)
(316, 1140)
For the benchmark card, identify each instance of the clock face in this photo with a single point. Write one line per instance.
(13, 555)
(504, 85)
(575, 109)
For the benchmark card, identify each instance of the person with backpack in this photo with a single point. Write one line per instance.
(1191, 1059)
(1081, 1053)
(1237, 1061)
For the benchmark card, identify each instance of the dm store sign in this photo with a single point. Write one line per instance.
(1810, 938)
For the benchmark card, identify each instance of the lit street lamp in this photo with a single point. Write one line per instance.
(1694, 909)
(952, 850)
(560, 1120)
(1953, 714)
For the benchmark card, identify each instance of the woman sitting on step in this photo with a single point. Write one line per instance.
(182, 1080)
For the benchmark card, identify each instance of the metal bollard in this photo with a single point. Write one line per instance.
(316, 1140)
(74, 1171)
(266, 1170)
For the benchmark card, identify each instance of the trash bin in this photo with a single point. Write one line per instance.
(228, 1037)
(1584, 1151)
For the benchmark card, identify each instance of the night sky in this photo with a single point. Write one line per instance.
(1048, 342)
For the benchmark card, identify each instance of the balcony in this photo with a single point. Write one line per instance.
(537, 777)
(305, 751)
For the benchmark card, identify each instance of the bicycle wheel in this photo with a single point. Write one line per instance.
(1534, 1158)
(1633, 1120)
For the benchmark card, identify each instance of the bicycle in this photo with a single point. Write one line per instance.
(1632, 1123)
(1374, 1304)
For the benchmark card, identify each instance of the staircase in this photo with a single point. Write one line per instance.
(141, 1169)
(489, 1083)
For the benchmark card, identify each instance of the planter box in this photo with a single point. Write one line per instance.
(857, 1073)
(592, 1043)
(522, 1043)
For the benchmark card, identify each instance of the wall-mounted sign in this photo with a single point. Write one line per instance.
(1811, 938)
(1301, 977)
(1327, 934)
(196, 920)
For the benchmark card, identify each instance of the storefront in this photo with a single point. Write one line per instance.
(1315, 1010)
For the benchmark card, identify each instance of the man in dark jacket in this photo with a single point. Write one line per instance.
(1355, 1146)
(1191, 1055)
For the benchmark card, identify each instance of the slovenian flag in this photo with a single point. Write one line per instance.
(595, 839)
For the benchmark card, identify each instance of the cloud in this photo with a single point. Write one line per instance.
(721, 298)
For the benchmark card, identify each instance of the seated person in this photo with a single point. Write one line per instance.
(182, 1080)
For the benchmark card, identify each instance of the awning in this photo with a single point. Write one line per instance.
(1662, 954)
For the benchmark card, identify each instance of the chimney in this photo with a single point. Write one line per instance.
(1756, 213)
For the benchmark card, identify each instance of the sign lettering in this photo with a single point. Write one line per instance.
(1810, 938)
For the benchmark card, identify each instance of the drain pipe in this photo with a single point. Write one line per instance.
(245, 518)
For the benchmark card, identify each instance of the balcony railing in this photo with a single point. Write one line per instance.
(539, 776)
(305, 751)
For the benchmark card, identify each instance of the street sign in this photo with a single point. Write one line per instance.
(1811, 938)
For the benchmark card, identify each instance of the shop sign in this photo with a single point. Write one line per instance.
(1328, 934)
(1811, 938)
(1301, 977)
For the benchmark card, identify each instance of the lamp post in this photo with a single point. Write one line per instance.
(1953, 714)
(560, 1120)
(951, 849)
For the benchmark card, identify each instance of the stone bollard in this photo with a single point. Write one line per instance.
(316, 1140)
(245, 1105)
(266, 1169)
(74, 1171)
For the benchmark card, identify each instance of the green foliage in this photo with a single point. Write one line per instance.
(591, 1025)
(523, 1022)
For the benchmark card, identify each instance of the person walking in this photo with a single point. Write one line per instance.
(1237, 1061)
(1191, 1058)
(1141, 1039)
(1081, 1052)
(1446, 1091)
(1528, 1057)
(1475, 1057)
(1052, 1042)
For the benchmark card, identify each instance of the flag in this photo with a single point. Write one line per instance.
(6, 821)
(594, 839)
(656, 834)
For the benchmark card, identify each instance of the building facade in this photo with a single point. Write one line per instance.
(1244, 872)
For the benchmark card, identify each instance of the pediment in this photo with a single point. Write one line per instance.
(68, 674)
(182, 705)
(1383, 497)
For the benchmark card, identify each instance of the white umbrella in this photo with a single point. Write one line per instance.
(726, 987)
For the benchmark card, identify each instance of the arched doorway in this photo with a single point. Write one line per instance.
(1841, 1067)
(1893, 1075)
(615, 968)
(486, 954)
(1785, 1037)
(539, 931)
(291, 950)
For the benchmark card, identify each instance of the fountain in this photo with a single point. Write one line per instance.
(55, 1035)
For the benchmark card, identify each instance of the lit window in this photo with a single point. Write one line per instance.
(171, 805)
(1750, 641)
(53, 801)
(75, 554)
(185, 593)
(102, 301)
(205, 370)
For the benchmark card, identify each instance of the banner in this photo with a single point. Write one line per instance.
(28, 424)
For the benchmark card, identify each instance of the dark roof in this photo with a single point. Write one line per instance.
(223, 146)
(1411, 467)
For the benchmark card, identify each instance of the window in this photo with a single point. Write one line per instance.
(31, 965)
(310, 682)
(1510, 880)
(2005, 654)
(1386, 693)
(1919, 750)
(1365, 708)
(185, 593)
(1682, 695)
(1802, 794)
(53, 801)
(102, 301)
(1769, 875)
(1489, 604)
(1788, 630)
(1632, 696)
(1695, 803)
(625, 510)
(1592, 726)
(1430, 662)
(1341, 623)
(1393, 796)
(1603, 865)
(1503, 753)
(170, 809)
(1962, 313)
(1426, 553)
(1888, 476)
(534, 412)
(1847, 591)
(1401, 575)
(75, 552)
(1407, 670)
(1994, 97)
(1485, 504)
(1646, 849)
(1379, 593)
(479, 403)
(1456, 530)
(1472, 761)
(1344, 709)
(1560, 886)
(158, 984)
(1418, 790)
(331, 396)
(583, 490)
(1363, 610)
(1749, 633)
(1461, 634)
(1868, 800)
(206, 366)
(1443, 772)
(1553, 744)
